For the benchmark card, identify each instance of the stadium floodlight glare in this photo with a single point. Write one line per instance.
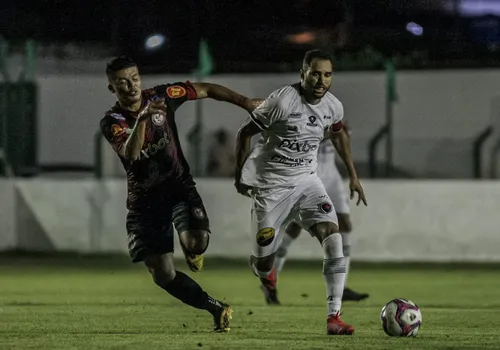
(154, 41)
(415, 29)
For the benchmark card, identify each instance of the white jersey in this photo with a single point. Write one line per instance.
(292, 130)
(326, 154)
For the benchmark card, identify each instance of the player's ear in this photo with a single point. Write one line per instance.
(301, 74)
(110, 88)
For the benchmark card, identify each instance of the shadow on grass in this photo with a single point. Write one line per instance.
(122, 261)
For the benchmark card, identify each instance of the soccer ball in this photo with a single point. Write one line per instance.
(401, 318)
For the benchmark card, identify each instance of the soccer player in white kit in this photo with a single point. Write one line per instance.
(279, 174)
(334, 185)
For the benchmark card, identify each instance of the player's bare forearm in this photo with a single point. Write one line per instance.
(341, 143)
(243, 145)
(222, 93)
(132, 148)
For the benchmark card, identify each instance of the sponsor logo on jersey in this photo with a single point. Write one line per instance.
(295, 115)
(116, 130)
(298, 146)
(265, 236)
(117, 116)
(292, 162)
(312, 121)
(176, 91)
(292, 128)
(153, 148)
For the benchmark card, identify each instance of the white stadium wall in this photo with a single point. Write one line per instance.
(430, 221)
(437, 115)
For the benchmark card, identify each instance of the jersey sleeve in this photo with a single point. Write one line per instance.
(115, 131)
(176, 94)
(268, 112)
(338, 117)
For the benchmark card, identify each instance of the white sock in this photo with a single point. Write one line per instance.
(279, 260)
(346, 248)
(334, 272)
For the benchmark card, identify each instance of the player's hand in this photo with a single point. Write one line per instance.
(154, 107)
(355, 186)
(157, 106)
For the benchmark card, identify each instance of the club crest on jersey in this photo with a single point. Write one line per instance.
(158, 119)
(312, 121)
(265, 236)
(176, 91)
(325, 207)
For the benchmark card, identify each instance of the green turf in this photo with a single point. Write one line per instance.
(66, 303)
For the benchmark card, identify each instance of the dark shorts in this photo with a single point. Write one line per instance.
(150, 230)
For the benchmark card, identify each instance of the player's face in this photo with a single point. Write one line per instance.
(317, 79)
(126, 84)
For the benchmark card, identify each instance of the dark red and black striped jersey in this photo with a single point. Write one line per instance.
(162, 164)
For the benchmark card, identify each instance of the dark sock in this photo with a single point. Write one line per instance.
(189, 292)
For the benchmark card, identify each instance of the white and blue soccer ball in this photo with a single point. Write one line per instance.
(401, 318)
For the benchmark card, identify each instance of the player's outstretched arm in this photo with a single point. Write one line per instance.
(222, 93)
(340, 140)
(243, 147)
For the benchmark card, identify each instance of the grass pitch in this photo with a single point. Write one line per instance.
(102, 303)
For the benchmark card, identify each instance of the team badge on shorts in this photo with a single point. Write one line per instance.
(325, 207)
(265, 236)
(158, 119)
(199, 213)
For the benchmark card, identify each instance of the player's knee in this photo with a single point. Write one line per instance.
(345, 224)
(324, 229)
(162, 269)
(195, 241)
(293, 230)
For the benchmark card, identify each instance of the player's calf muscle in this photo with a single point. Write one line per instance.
(263, 264)
(161, 268)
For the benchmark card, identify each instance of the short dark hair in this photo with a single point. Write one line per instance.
(313, 54)
(119, 63)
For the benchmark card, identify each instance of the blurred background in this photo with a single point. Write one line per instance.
(418, 80)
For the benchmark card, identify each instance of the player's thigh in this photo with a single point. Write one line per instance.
(337, 191)
(149, 234)
(191, 220)
(270, 212)
(315, 207)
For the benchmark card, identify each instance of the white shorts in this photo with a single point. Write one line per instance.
(307, 204)
(335, 187)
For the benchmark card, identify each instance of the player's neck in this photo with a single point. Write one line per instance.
(133, 107)
(309, 99)
(312, 100)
